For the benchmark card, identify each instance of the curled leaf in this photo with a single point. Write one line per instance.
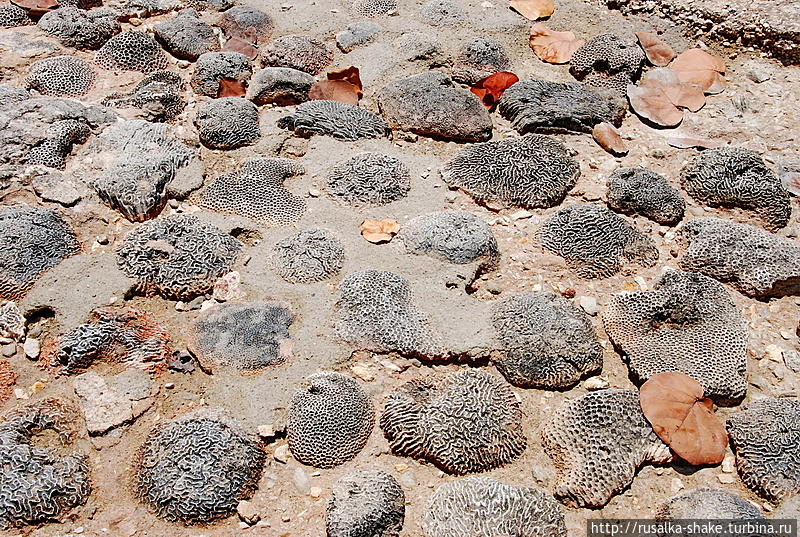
(229, 87)
(609, 139)
(685, 143)
(657, 52)
(553, 47)
(674, 405)
(348, 74)
(652, 104)
(36, 6)
(698, 67)
(490, 89)
(378, 231)
(533, 9)
(334, 90)
(680, 94)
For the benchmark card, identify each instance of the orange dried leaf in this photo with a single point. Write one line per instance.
(334, 90)
(657, 52)
(36, 6)
(609, 139)
(652, 104)
(696, 66)
(228, 87)
(553, 47)
(533, 9)
(348, 74)
(674, 405)
(378, 231)
(685, 143)
(490, 89)
(681, 95)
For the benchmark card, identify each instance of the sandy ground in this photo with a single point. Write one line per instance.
(292, 497)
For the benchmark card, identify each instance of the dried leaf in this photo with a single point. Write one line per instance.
(609, 139)
(674, 405)
(652, 104)
(490, 89)
(685, 143)
(681, 95)
(228, 87)
(241, 45)
(36, 6)
(696, 66)
(348, 74)
(533, 9)
(553, 47)
(378, 231)
(334, 90)
(657, 52)
(791, 182)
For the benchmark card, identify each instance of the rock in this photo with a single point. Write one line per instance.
(248, 512)
(423, 48)
(589, 305)
(595, 383)
(363, 373)
(227, 287)
(430, 104)
(726, 479)
(12, 322)
(356, 35)
(300, 480)
(9, 350)
(729, 465)
(282, 86)
(31, 348)
(183, 362)
(186, 36)
(57, 187)
(108, 402)
(792, 360)
(773, 353)
(266, 431)
(315, 492)
(677, 485)
(281, 453)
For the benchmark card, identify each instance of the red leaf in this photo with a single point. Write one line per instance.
(228, 87)
(348, 74)
(334, 90)
(609, 139)
(490, 89)
(674, 405)
(241, 45)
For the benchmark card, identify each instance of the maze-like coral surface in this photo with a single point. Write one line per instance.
(197, 467)
(309, 256)
(330, 420)
(369, 179)
(299, 52)
(366, 503)
(645, 192)
(332, 118)
(79, 28)
(707, 503)
(452, 236)
(466, 422)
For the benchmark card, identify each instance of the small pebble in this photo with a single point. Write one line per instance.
(31, 348)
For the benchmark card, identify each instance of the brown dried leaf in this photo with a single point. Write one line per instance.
(229, 87)
(696, 66)
(334, 90)
(609, 139)
(553, 47)
(791, 182)
(533, 9)
(653, 104)
(657, 52)
(36, 6)
(490, 89)
(378, 231)
(685, 143)
(674, 405)
(241, 45)
(681, 95)
(348, 74)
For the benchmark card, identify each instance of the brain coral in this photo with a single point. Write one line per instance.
(766, 439)
(548, 342)
(687, 323)
(12, 94)
(479, 58)
(157, 96)
(482, 507)
(597, 442)
(442, 13)
(706, 503)
(132, 51)
(32, 240)
(213, 67)
(594, 241)
(247, 337)
(61, 76)
(369, 179)
(117, 335)
(468, 421)
(239, 20)
(531, 171)
(309, 256)
(607, 61)
(536, 105)
(198, 467)
(453, 236)
(280, 85)
(297, 52)
(228, 123)
(186, 36)
(39, 484)
(11, 16)
(641, 191)
(366, 503)
(755, 262)
(138, 160)
(81, 29)
(179, 256)
(430, 104)
(256, 191)
(330, 420)
(373, 8)
(332, 118)
(7, 380)
(736, 177)
(375, 310)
